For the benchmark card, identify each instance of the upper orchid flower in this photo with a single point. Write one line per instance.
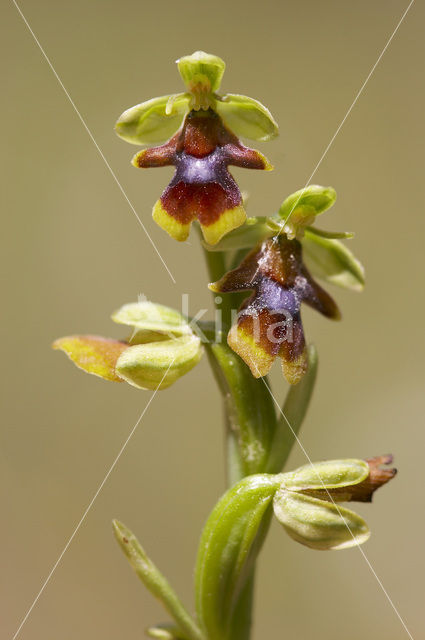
(203, 147)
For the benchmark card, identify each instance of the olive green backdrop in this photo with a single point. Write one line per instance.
(73, 251)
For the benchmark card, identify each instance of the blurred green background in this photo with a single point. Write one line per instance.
(73, 251)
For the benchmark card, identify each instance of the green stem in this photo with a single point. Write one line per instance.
(248, 409)
(256, 442)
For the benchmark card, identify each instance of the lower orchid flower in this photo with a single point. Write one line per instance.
(269, 321)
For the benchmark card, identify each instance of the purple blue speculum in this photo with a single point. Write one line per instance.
(272, 296)
(192, 170)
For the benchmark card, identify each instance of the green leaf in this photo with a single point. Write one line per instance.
(331, 260)
(155, 581)
(254, 231)
(229, 546)
(151, 319)
(247, 117)
(157, 365)
(330, 474)
(318, 524)
(93, 354)
(201, 71)
(165, 632)
(153, 121)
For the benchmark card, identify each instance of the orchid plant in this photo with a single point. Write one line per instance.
(264, 268)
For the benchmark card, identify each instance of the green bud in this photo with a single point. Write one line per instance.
(153, 121)
(331, 474)
(201, 72)
(331, 260)
(247, 117)
(151, 321)
(157, 365)
(318, 524)
(300, 208)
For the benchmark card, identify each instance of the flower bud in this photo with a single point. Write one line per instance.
(160, 350)
(318, 524)
(157, 365)
(306, 502)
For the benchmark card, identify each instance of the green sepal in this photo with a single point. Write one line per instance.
(153, 579)
(246, 117)
(157, 365)
(201, 71)
(93, 354)
(153, 121)
(332, 261)
(318, 524)
(254, 231)
(299, 209)
(330, 474)
(229, 546)
(151, 321)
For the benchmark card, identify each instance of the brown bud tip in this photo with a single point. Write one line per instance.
(377, 477)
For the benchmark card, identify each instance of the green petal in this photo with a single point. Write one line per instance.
(331, 260)
(93, 354)
(201, 71)
(151, 320)
(332, 235)
(157, 365)
(153, 121)
(318, 524)
(330, 474)
(247, 117)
